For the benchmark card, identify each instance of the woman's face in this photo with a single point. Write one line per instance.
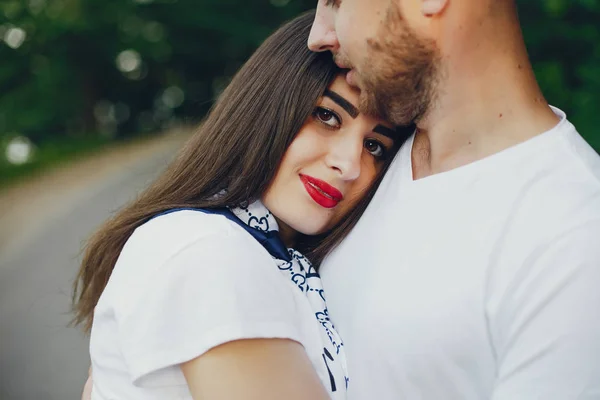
(329, 166)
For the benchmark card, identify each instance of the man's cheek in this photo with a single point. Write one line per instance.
(351, 28)
(345, 34)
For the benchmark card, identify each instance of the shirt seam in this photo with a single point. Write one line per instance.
(164, 359)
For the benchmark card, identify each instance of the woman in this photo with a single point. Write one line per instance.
(194, 290)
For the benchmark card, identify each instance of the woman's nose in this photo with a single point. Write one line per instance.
(344, 156)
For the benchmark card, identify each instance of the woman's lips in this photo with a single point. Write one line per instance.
(321, 192)
(350, 78)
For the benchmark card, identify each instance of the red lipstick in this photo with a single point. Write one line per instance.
(321, 192)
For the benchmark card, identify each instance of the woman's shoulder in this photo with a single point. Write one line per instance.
(184, 247)
(174, 231)
(187, 222)
(196, 281)
(185, 240)
(196, 240)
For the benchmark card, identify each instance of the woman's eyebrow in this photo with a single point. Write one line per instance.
(342, 102)
(385, 131)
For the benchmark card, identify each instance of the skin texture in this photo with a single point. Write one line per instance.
(260, 369)
(333, 146)
(87, 388)
(480, 96)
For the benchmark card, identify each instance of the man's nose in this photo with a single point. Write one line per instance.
(322, 34)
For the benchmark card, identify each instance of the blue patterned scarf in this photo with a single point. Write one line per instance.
(301, 272)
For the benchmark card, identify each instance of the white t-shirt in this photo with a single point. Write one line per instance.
(184, 283)
(478, 283)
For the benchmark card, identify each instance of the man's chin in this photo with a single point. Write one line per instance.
(381, 106)
(367, 104)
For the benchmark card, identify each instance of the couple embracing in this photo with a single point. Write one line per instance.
(392, 211)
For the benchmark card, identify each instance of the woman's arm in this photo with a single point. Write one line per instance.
(254, 369)
(87, 388)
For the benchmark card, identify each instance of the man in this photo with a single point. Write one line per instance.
(475, 272)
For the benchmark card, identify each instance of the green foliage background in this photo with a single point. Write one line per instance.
(62, 83)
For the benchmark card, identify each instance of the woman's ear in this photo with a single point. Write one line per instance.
(430, 8)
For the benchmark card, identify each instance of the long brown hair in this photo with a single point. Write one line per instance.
(238, 148)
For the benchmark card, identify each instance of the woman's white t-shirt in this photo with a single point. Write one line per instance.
(184, 283)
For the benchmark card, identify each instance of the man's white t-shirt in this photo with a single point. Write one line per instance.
(478, 283)
(184, 283)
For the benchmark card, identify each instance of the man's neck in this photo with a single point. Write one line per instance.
(486, 103)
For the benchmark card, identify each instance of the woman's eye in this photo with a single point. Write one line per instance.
(375, 148)
(327, 117)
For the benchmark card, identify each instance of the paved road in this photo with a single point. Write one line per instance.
(40, 241)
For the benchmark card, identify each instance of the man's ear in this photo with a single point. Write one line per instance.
(430, 8)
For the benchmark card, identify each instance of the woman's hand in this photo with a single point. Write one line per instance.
(254, 369)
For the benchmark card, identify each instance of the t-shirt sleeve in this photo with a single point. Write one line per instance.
(212, 291)
(547, 332)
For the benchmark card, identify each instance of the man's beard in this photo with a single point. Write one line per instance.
(398, 79)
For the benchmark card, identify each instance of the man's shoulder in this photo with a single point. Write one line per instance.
(581, 154)
(562, 175)
(558, 194)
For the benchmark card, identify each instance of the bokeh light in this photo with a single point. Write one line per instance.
(129, 61)
(19, 150)
(14, 37)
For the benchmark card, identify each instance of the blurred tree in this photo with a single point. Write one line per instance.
(73, 68)
(563, 38)
(113, 67)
